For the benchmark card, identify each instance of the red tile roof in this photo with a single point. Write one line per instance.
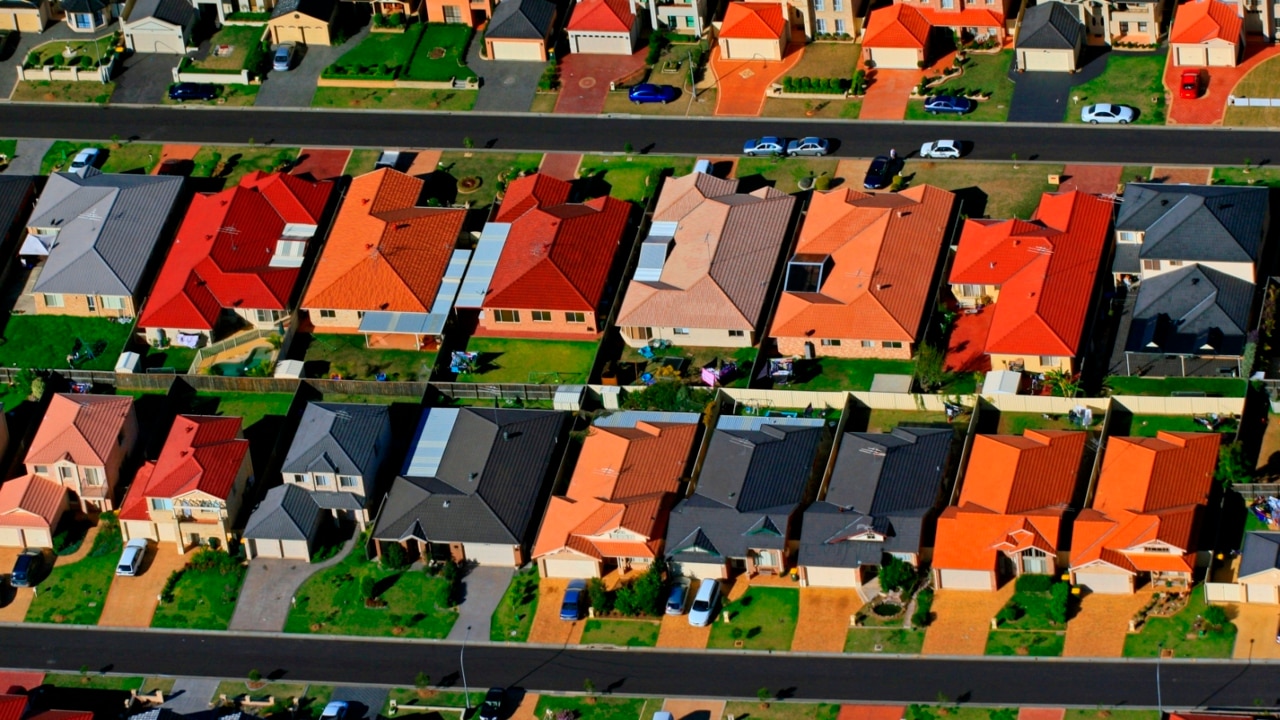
(884, 251)
(896, 26)
(967, 17)
(1046, 270)
(63, 715)
(12, 706)
(557, 254)
(31, 501)
(1201, 21)
(203, 453)
(753, 21)
(220, 258)
(83, 428)
(384, 251)
(610, 16)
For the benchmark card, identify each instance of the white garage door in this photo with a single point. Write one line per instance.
(1045, 60)
(831, 576)
(569, 567)
(10, 537)
(1222, 56)
(295, 550)
(1105, 583)
(1192, 55)
(157, 42)
(38, 537)
(699, 571)
(895, 58)
(510, 50)
(604, 44)
(1262, 594)
(262, 547)
(967, 579)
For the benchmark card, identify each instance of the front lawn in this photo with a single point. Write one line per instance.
(836, 374)
(233, 162)
(785, 173)
(634, 178)
(762, 619)
(441, 54)
(46, 53)
(1266, 176)
(513, 617)
(1029, 643)
(46, 341)
(435, 698)
(889, 641)
(1136, 80)
(120, 157)
(240, 38)
(490, 167)
(837, 108)
(617, 103)
(395, 99)
(1034, 621)
(1178, 634)
(93, 681)
(504, 360)
(347, 356)
(627, 633)
(203, 595)
(379, 55)
(595, 707)
(1165, 387)
(983, 73)
(1002, 190)
(361, 161)
(64, 91)
(74, 593)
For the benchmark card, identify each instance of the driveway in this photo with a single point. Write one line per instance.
(1042, 97)
(14, 602)
(963, 618)
(321, 163)
(27, 158)
(296, 87)
(505, 86)
(741, 84)
(1211, 106)
(824, 614)
(191, 695)
(363, 703)
(482, 589)
(694, 709)
(26, 43)
(888, 93)
(1256, 627)
(1092, 179)
(131, 601)
(269, 587)
(145, 79)
(584, 80)
(547, 627)
(1100, 625)
(676, 632)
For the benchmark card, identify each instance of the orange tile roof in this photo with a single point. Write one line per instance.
(31, 501)
(12, 707)
(966, 17)
(626, 480)
(897, 26)
(83, 428)
(1201, 21)
(611, 16)
(384, 252)
(753, 21)
(884, 251)
(1046, 270)
(202, 453)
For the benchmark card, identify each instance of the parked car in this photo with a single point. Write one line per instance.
(86, 158)
(131, 559)
(335, 710)
(574, 596)
(1189, 88)
(663, 715)
(767, 145)
(193, 91)
(879, 174)
(678, 597)
(282, 56)
(704, 603)
(27, 568)
(491, 707)
(649, 93)
(814, 146)
(941, 149)
(1108, 113)
(948, 104)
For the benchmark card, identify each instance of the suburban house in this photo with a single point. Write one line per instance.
(1143, 525)
(755, 31)
(553, 262)
(758, 474)
(191, 493)
(236, 259)
(863, 277)
(687, 17)
(284, 525)
(1033, 282)
(24, 16)
(604, 27)
(96, 235)
(474, 485)
(1207, 33)
(1261, 18)
(390, 268)
(1257, 577)
(1009, 517)
(705, 269)
(30, 508)
(1114, 21)
(897, 37)
(159, 26)
(613, 515)
(82, 443)
(1050, 38)
(308, 22)
(90, 16)
(466, 12)
(520, 30)
(881, 500)
(336, 455)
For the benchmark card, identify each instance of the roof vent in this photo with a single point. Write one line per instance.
(445, 504)
(993, 264)
(1195, 281)
(1164, 201)
(471, 477)
(506, 434)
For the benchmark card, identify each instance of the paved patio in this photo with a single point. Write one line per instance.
(823, 620)
(1256, 628)
(966, 348)
(1099, 626)
(1211, 106)
(1092, 179)
(963, 618)
(547, 626)
(131, 601)
(694, 709)
(741, 84)
(584, 80)
(321, 163)
(269, 587)
(676, 632)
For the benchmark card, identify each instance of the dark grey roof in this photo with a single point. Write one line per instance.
(84, 6)
(339, 500)
(751, 482)
(1127, 260)
(322, 9)
(521, 20)
(14, 193)
(19, 5)
(1050, 26)
(884, 484)
(107, 228)
(488, 485)
(1261, 552)
(1185, 310)
(288, 512)
(1196, 223)
(174, 12)
(341, 438)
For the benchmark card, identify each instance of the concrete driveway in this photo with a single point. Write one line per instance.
(363, 703)
(131, 601)
(269, 587)
(1043, 97)
(824, 613)
(506, 86)
(1256, 627)
(963, 620)
(28, 157)
(676, 632)
(547, 626)
(296, 87)
(14, 602)
(482, 589)
(145, 79)
(1100, 625)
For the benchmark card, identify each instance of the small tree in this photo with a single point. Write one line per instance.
(763, 693)
(255, 676)
(1015, 161)
(601, 599)
(1216, 617)
(468, 143)
(422, 681)
(628, 148)
(588, 687)
(367, 588)
(931, 367)
(1062, 383)
(1247, 163)
(1059, 596)
(393, 557)
(897, 574)
(1232, 467)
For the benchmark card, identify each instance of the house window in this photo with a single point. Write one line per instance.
(1150, 264)
(840, 28)
(1129, 236)
(161, 504)
(1124, 26)
(891, 344)
(827, 342)
(948, 4)
(575, 318)
(348, 481)
(90, 303)
(737, 333)
(1142, 27)
(506, 316)
(688, 19)
(83, 20)
(452, 14)
(819, 5)
(837, 5)
(1175, 263)
(323, 480)
(541, 316)
(972, 291)
(291, 249)
(42, 470)
(92, 477)
(112, 302)
(680, 331)
(821, 26)
(299, 478)
(868, 343)
(53, 301)
(329, 314)
(266, 315)
(66, 472)
(638, 333)
(1048, 361)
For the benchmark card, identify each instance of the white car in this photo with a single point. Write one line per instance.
(86, 158)
(335, 710)
(1108, 113)
(940, 149)
(131, 559)
(704, 603)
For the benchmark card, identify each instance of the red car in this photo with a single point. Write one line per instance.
(1190, 88)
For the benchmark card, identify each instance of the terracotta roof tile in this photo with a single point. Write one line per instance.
(12, 706)
(753, 21)
(31, 501)
(966, 17)
(202, 453)
(83, 427)
(897, 26)
(1201, 21)
(611, 16)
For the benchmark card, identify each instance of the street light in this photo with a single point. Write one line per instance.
(462, 663)
(1159, 700)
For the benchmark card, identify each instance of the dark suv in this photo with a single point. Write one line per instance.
(193, 91)
(27, 568)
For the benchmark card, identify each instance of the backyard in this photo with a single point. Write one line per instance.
(48, 341)
(890, 641)
(204, 594)
(625, 633)
(1165, 387)
(251, 406)
(239, 40)
(632, 177)
(983, 73)
(233, 162)
(1178, 634)
(174, 356)
(830, 374)
(74, 592)
(631, 364)
(764, 618)
(1016, 423)
(62, 91)
(504, 360)
(1149, 425)
(1006, 191)
(883, 421)
(785, 173)
(490, 167)
(347, 356)
(514, 615)
(1130, 79)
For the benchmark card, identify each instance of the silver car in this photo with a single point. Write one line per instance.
(704, 603)
(282, 57)
(1108, 113)
(767, 145)
(812, 146)
(940, 149)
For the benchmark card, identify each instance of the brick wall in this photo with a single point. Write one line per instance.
(557, 326)
(847, 349)
(78, 305)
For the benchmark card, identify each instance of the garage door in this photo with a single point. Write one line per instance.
(831, 576)
(1045, 60)
(157, 42)
(1265, 594)
(39, 537)
(1106, 583)
(266, 548)
(895, 58)
(602, 44)
(504, 50)
(10, 537)
(751, 49)
(569, 567)
(295, 550)
(288, 33)
(1192, 55)
(1222, 56)
(966, 580)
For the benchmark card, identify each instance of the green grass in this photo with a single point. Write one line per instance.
(530, 361)
(361, 162)
(782, 711)
(1133, 80)
(595, 708)
(1011, 191)
(233, 162)
(627, 633)
(202, 600)
(631, 363)
(281, 691)
(74, 593)
(93, 681)
(513, 617)
(899, 641)
(81, 48)
(765, 616)
(329, 602)
(883, 421)
(378, 52)
(836, 108)
(1149, 425)
(250, 406)
(442, 53)
(825, 374)
(9, 148)
(1164, 387)
(1014, 423)
(436, 698)
(60, 154)
(1031, 643)
(242, 37)
(347, 356)
(785, 173)
(984, 73)
(633, 177)
(397, 99)
(175, 356)
(131, 157)
(45, 341)
(1172, 633)
(63, 92)
(490, 167)
(1266, 176)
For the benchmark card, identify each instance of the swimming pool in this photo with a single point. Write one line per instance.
(257, 356)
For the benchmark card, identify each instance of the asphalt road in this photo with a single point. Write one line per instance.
(1057, 143)
(338, 661)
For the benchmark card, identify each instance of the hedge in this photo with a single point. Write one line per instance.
(824, 86)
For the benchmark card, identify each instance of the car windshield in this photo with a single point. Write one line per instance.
(24, 561)
(701, 605)
(1189, 85)
(877, 166)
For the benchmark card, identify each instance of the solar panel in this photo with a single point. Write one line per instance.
(483, 264)
(429, 444)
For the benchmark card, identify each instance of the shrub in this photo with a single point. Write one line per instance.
(645, 596)
(33, 59)
(1060, 595)
(367, 587)
(656, 41)
(1009, 613)
(924, 603)
(601, 599)
(255, 675)
(1034, 583)
(393, 557)
(806, 84)
(1216, 617)
(58, 61)
(886, 609)
(897, 574)
(822, 183)
(209, 560)
(170, 585)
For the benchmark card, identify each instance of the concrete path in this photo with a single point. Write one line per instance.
(963, 620)
(741, 84)
(175, 152)
(528, 708)
(1218, 82)
(296, 87)
(191, 695)
(321, 163)
(585, 79)
(482, 591)
(824, 619)
(1099, 626)
(27, 158)
(269, 587)
(871, 712)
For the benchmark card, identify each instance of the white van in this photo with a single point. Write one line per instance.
(704, 603)
(131, 559)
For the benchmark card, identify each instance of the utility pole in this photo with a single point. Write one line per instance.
(462, 664)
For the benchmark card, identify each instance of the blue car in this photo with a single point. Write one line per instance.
(879, 173)
(574, 595)
(948, 104)
(649, 93)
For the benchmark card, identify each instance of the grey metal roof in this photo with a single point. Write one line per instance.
(84, 6)
(521, 20)
(107, 228)
(14, 191)
(322, 9)
(288, 512)
(1185, 310)
(629, 418)
(1050, 26)
(339, 500)
(174, 12)
(341, 438)
(884, 483)
(1260, 553)
(488, 485)
(1192, 223)
(1127, 260)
